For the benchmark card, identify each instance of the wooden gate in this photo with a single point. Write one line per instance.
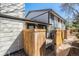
(34, 41)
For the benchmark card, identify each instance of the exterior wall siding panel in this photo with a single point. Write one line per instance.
(10, 35)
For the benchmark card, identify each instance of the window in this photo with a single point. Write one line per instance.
(59, 20)
(41, 26)
(52, 16)
(30, 26)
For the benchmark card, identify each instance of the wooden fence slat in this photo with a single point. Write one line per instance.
(58, 37)
(34, 41)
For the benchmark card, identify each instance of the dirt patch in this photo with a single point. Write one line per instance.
(74, 51)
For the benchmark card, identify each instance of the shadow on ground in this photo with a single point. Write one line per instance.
(74, 51)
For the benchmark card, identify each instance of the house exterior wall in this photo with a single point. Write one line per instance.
(46, 16)
(10, 35)
(56, 24)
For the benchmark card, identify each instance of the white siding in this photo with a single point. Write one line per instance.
(52, 22)
(13, 9)
(10, 35)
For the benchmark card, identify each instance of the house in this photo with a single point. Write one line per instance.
(47, 16)
(11, 32)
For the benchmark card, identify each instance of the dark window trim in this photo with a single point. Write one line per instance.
(29, 24)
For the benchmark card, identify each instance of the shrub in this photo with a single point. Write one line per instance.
(77, 35)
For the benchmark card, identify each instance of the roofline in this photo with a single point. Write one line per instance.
(41, 10)
(22, 19)
(40, 15)
(58, 15)
(45, 10)
(37, 11)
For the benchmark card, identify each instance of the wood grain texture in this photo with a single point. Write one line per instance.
(67, 33)
(59, 37)
(34, 41)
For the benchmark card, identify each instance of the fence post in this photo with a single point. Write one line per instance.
(67, 33)
(63, 35)
(40, 40)
(58, 39)
(34, 41)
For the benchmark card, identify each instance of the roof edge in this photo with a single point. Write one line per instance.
(22, 19)
(37, 11)
(45, 10)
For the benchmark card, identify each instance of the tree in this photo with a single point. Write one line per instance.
(69, 8)
(76, 22)
(76, 25)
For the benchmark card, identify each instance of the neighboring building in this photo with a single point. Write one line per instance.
(47, 16)
(13, 9)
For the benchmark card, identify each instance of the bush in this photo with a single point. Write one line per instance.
(77, 35)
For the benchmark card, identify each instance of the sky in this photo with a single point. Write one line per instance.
(38, 6)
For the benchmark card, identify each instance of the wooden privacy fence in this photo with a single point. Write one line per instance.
(60, 35)
(34, 41)
(58, 39)
(67, 33)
